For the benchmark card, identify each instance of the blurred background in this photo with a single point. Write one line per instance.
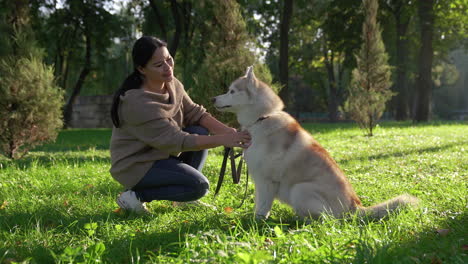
(306, 49)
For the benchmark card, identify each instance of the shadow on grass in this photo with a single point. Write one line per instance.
(445, 244)
(51, 222)
(79, 139)
(327, 127)
(398, 154)
(426, 247)
(54, 159)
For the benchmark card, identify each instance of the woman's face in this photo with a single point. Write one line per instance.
(160, 67)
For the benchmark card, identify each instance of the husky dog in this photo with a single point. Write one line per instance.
(287, 163)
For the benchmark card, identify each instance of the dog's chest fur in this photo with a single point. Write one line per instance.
(272, 142)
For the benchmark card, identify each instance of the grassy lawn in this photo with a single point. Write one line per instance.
(57, 205)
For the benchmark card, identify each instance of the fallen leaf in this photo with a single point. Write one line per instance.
(66, 203)
(269, 242)
(443, 232)
(4, 204)
(436, 260)
(228, 209)
(118, 210)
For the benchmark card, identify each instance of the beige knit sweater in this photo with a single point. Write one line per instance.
(151, 130)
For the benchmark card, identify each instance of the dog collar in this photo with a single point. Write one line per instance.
(257, 121)
(261, 119)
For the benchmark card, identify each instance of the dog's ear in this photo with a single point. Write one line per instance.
(250, 73)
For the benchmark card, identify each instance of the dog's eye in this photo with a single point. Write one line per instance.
(232, 91)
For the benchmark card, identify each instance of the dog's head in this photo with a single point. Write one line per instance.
(247, 92)
(238, 95)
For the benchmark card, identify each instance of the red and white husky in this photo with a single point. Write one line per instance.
(287, 163)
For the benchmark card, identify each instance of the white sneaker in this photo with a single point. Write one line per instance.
(128, 201)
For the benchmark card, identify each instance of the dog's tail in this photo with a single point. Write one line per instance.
(381, 210)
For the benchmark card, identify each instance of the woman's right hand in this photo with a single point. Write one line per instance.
(237, 139)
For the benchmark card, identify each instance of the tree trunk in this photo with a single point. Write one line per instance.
(424, 80)
(402, 110)
(159, 18)
(178, 31)
(332, 99)
(79, 83)
(402, 20)
(332, 95)
(283, 52)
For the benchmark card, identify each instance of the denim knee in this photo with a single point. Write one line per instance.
(201, 190)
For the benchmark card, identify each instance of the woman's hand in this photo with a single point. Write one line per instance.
(230, 138)
(237, 139)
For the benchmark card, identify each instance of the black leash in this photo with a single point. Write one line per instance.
(235, 171)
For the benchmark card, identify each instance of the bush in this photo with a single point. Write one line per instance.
(30, 105)
(227, 57)
(370, 84)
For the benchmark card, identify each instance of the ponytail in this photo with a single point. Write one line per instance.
(133, 81)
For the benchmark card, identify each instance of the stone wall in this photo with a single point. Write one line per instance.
(92, 112)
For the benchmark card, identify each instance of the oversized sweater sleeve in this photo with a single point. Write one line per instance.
(192, 112)
(164, 135)
(145, 119)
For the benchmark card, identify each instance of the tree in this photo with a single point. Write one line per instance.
(286, 13)
(94, 25)
(370, 83)
(30, 101)
(400, 9)
(341, 24)
(226, 44)
(176, 10)
(320, 48)
(75, 36)
(426, 54)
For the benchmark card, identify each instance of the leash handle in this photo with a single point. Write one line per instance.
(223, 170)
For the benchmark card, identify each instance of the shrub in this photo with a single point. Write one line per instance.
(370, 84)
(30, 105)
(227, 57)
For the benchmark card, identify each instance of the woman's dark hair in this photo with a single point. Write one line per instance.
(142, 52)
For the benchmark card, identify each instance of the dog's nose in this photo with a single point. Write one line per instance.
(213, 100)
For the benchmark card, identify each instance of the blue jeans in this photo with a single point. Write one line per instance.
(176, 178)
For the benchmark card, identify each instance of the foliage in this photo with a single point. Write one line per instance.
(63, 211)
(30, 101)
(370, 83)
(451, 26)
(227, 56)
(30, 104)
(323, 41)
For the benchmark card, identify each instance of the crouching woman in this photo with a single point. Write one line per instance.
(160, 137)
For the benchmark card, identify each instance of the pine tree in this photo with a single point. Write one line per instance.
(227, 55)
(30, 102)
(370, 84)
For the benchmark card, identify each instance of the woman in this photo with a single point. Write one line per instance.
(160, 138)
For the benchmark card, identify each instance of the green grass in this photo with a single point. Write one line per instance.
(57, 206)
